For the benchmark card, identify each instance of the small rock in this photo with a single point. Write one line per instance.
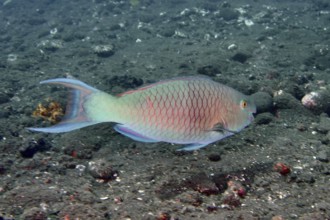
(208, 70)
(80, 211)
(104, 50)
(263, 101)
(33, 195)
(301, 127)
(163, 216)
(191, 197)
(167, 31)
(241, 57)
(317, 101)
(326, 139)
(305, 178)
(36, 21)
(101, 169)
(147, 17)
(33, 214)
(236, 187)
(261, 182)
(323, 156)
(324, 125)
(285, 100)
(214, 157)
(323, 206)
(264, 118)
(292, 88)
(277, 217)
(212, 208)
(50, 45)
(4, 98)
(231, 200)
(33, 146)
(2, 170)
(170, 189)
(282, 168)
(5, 112)
(315, 216)
(125, 81)
(228, 14)
(203, 184)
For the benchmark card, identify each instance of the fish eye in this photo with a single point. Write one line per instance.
(244, 104)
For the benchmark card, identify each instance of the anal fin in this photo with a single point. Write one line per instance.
(191, 147)
(220, 128)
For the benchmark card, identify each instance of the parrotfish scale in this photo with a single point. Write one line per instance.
(133, 134)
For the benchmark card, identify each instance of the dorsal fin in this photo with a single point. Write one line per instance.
(148, 86)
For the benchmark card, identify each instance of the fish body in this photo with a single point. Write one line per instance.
(194, 111)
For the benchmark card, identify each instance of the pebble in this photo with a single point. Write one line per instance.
(317, 101)
(324, 125)
(326, 138)
(4, 98)
(125, 81)
(323, 156)
(263, 101)
(202, 183)
(323, 206)
(305, 178)
(102, 169)
(228, 14)
(285, 100)
(104, 50)
(240, 57)
(261, 182)
(50, 45)
(264, 118)
(214, 157)
(34, 146)
(209, 70)
(34, 213)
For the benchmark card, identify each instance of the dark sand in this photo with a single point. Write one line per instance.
(276, 48)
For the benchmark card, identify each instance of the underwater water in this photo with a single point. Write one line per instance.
(275, 52)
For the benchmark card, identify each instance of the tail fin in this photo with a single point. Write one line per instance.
(75, 115)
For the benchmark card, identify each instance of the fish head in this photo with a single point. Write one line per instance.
(241, 112)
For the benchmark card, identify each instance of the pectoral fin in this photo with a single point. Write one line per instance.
(220, 128)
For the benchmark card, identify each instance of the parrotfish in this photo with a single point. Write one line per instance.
(194, 111)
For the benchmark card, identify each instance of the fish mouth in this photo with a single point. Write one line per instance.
(251, 118)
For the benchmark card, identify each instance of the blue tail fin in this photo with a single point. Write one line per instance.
(75, 116)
